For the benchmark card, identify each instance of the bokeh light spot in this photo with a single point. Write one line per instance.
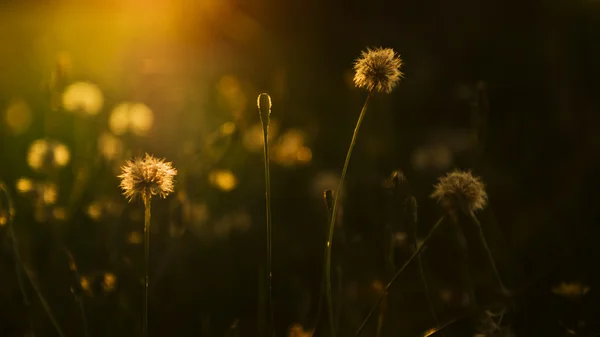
(18, 116)
(136, 118)
(24, 185)
(84, 97)
(224, 180)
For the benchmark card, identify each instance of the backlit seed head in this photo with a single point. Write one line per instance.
(146, 177)
(378, 70)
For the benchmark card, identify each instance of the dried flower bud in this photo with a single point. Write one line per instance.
(264, 108)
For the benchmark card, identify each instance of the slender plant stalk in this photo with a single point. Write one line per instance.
(269, 229)
(265, 120)
(147, 203)
(489, 253)
(334, 212)
(328, 196)
(20, 265)
(460, 236)
(397, 275)
(422, 274)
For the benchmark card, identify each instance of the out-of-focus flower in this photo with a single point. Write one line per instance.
(460, 189)
(297, 330)
(231, 95)
(224, 180)
(134, 238)
(378, 70)
(24, 185)
(136, 118)
(290, 149)
(102, 207)
(571, 290)
(109, 146)
(437, 157)
(18, 116)
(146, 177)
(109, 282)
(83, 97)
(47, 154)
(253, 138)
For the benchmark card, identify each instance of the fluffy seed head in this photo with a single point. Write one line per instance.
(460, 189)
(378, 69)
(146, 177)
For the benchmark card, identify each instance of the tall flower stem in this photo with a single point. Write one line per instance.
(397, 275)
(147, 203)
(264, 108)
(334, 212)
(20, 265)
(489, 253)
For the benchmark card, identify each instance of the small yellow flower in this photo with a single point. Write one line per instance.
(146, 177)
(460, 188)
(378, 69)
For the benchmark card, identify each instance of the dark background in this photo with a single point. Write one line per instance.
(508, 89)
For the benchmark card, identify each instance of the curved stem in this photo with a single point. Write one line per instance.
(147, 204)
(489, 253)
(269, 230)
(398, 273)
(334, 212)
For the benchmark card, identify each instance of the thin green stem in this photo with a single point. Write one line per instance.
(489, 253)
(20, 265)
(269, 230)
(147, 204)
(334, 212)
(397, 275)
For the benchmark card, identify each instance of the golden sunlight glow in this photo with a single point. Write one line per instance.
(18, 116)
(24, 185)
(83, 97)
(224, 180)
(136, 118)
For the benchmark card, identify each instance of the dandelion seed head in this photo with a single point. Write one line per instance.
(146, 177)
(378, 69)
(460, 188)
